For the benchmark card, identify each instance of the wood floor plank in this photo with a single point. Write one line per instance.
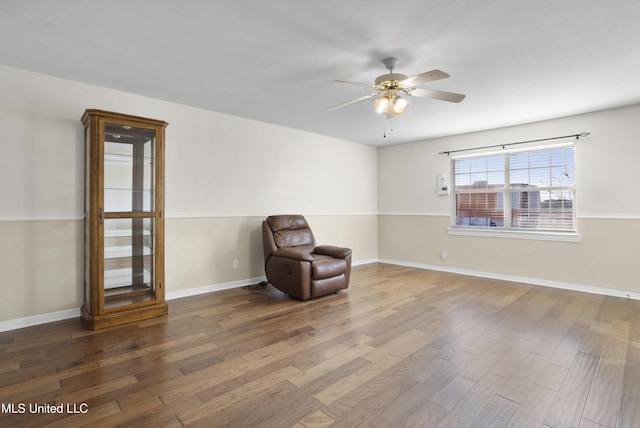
(427, 415)
(586, 423)
(318, 419)
(569, 346)
(158, 349)
(520, 380)
(473, 402)
(550, 332)
(451, 394)
(264, 409)
(605, 395)
(511, 362)
(485, 362)
(98, 413)
(402, 347)
(552, 376)
(355, 380)
(496, 414)
(411, 405)
(235, 396)
(603, 402)
(533, 409)
(629, 413)
(146, 407)
(571, 399)
(368, 404)
(330, 364)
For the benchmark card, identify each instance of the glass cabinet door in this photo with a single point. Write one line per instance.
(129, 206)
(129, 261)
(129, 165)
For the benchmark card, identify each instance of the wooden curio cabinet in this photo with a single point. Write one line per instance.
(124, 219)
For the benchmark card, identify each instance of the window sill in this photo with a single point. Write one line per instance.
(515, 234)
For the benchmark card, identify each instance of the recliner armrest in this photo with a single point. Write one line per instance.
(333, 251)
(292, 253)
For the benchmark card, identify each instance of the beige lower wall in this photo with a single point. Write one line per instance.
(606, 257)
(41, 267)
(42, 262)
(358, 232)
(200, 251)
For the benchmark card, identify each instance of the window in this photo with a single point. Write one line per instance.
(525, 190)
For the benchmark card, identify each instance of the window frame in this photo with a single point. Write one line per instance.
(568, 235)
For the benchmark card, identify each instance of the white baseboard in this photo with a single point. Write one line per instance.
(522, 279)
(211, 288)
(364, 262)
(39, 319)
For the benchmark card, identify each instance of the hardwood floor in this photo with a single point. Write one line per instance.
(401, 347)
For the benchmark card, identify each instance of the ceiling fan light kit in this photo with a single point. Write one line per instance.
(389, 103)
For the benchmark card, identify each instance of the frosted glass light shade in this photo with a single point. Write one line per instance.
(381, 105)
(400, 106)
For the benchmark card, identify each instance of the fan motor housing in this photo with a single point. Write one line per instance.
(390, 80)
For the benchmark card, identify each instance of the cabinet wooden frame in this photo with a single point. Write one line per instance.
(142, 295)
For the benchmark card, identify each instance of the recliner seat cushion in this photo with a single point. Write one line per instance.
(324, 267)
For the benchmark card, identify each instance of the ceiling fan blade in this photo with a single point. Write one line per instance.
(354, 83)
(357, 100)
(428, 76)
(438, 95)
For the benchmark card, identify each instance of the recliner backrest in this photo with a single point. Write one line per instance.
(291, 231)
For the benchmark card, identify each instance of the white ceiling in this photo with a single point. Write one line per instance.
(275, 61)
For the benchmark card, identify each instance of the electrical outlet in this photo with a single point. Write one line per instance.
(443, 254)
(235, 264)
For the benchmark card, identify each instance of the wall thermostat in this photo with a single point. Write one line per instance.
(443, 185)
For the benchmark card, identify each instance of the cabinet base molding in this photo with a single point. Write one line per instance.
(122, 317)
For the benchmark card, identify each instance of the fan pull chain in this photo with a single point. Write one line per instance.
(384, 132)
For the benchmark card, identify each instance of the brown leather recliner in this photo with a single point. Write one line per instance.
(295, 265)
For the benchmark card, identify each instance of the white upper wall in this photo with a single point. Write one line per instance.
(223, 165)
(216, 165)
(607, 170)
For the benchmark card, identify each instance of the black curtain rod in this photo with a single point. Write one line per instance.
(577, 136)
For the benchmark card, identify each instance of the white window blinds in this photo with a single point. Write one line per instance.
(526, 189)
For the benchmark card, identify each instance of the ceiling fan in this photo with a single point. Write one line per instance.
(388, 87)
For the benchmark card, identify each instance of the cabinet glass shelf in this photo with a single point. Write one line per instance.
(124, 159)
